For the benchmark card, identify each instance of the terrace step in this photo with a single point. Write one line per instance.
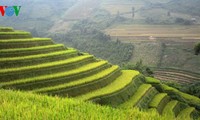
(83, 85)
(13, 62)
(15, 35)
(178, 77)
(117, 92)
(141, 97)
(24, 43)
(170, 109)
(171, 79)
(152, 81)
(159, 102)
(186, 114)
(17, 52)
(183, 97)
(56, 78)
(181, 71)
(6, 29)
(176, 74)
(11, 74)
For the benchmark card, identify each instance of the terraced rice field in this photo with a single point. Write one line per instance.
(141, 97)
(159, 101)
(170, 109)
(180, 76)
(38, 65)
(154, 32)
(186, 113)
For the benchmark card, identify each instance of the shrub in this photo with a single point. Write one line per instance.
(197, 49)
(139, 67)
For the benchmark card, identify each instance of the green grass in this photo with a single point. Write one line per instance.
(186, 113)
(26, 106)
(141, 91)
(36, 81)
(14, 52)
(159, 102)
(6, 29)
(15, 35)
(146, 99)
(169, 109)
(3, 51)
(83, 85)
(190, 99)
(24, 43)
(24, 40)
(86, 80)
(157, 99)
(120, 96)
(44, 68)
(9, 59)
(151, 80)
(40, 69)
(11, 62)
(121, 82)
(45, 65)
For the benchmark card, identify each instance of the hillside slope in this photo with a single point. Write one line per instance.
(38, 65)
(185, 6)
(26, 106)
(37, 22)
(177, 75)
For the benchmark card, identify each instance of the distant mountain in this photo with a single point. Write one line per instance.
(53, 16)
(37, 15)
(185, 6)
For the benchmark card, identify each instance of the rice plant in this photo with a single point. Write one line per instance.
(139, 94)
(122, 81)
(26, 106)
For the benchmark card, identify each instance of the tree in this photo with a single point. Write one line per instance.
(193, 89)
(133, 12)
(34, 32)
(183, 21)
(179, 20)
(139, 67)
(168, 13)
(118, 13)
(118, 41)
(197, 49)
(149, 71)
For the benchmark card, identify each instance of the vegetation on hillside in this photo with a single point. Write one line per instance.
(139, 67)
(27, 106)
(37, 22)
(175, 93)
(192, 89)
(181, 96)
(184, 6)
(197, 49)
(87, 37)
(68, 72)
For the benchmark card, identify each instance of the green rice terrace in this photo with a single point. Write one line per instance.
(38, 76)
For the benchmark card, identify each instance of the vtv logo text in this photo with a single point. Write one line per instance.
(10, 10)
